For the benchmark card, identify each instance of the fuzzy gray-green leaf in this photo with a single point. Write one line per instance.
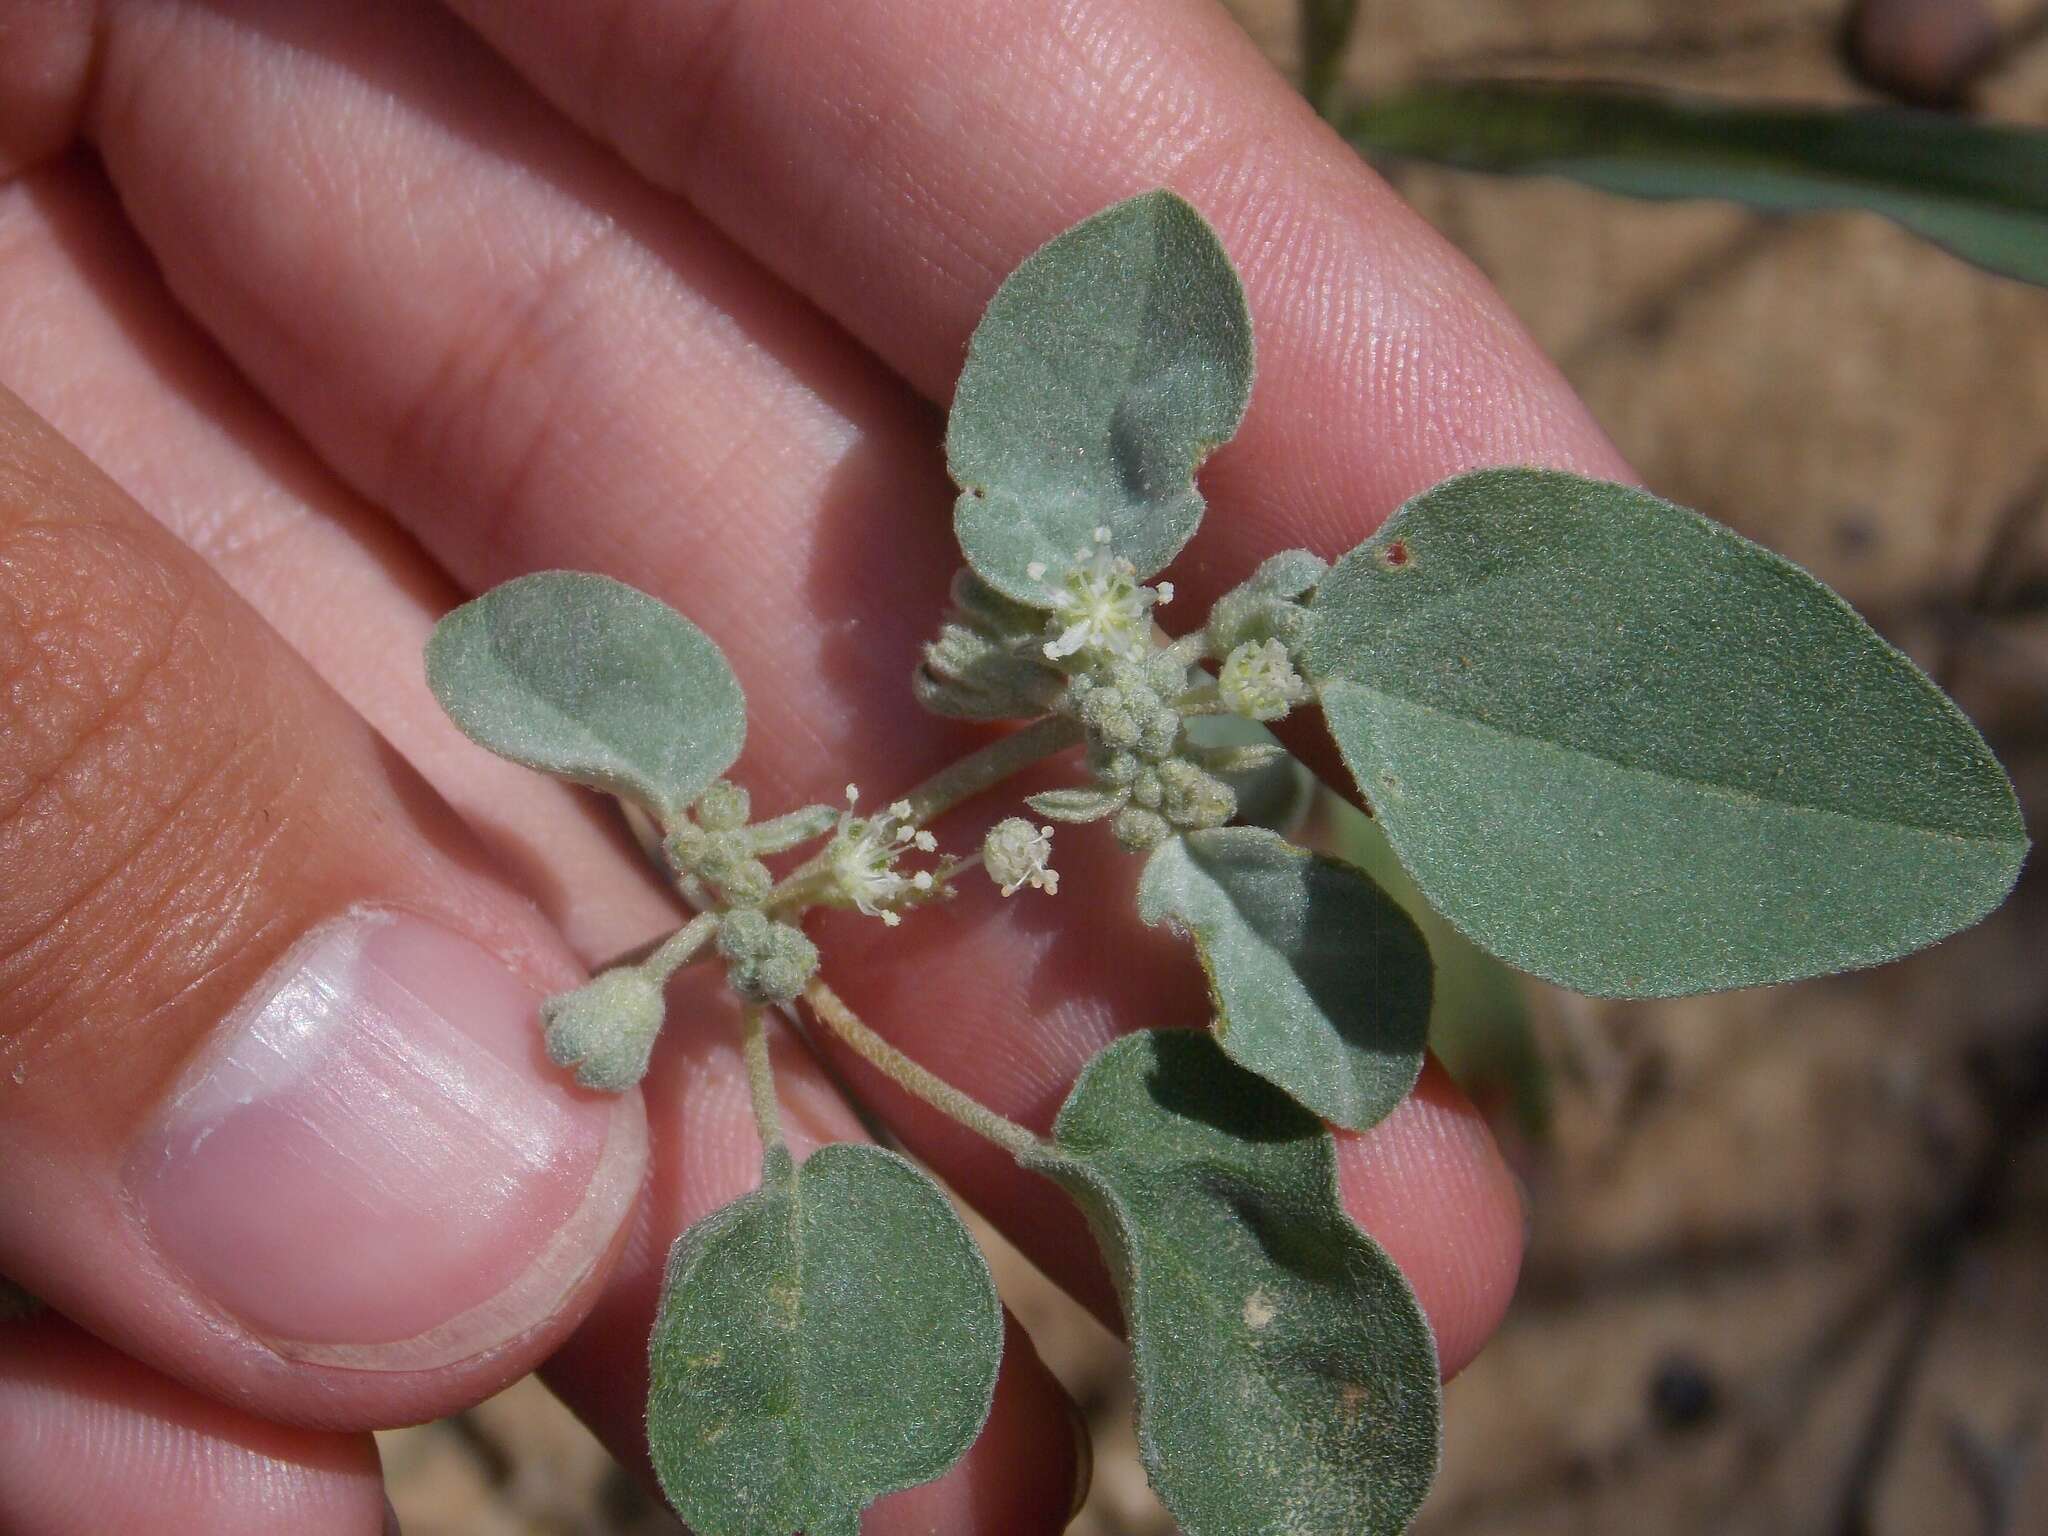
(1106, 368)
(590, 680)
(1632, 752)
(827, 1339)
(1287, 1380)
(1083, 804)
(1321, 983)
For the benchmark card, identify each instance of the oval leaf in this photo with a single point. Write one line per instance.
(1107, 367)
(1979, 189)
(588, 679)
(827, 1339)
(1287, 1380)
(1321, 983)
(1632, 752)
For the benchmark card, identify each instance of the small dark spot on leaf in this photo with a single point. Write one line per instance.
(1682, 1393)
(1395, 555)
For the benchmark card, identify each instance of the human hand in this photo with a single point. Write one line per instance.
(464, 341)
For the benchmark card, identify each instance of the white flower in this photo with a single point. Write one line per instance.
(1100, 605)
(863, 854)
(1017, 854)
(1258, 680)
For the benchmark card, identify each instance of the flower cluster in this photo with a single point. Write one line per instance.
(861, 860)
(1099, 606)
(1017, 854)
(1258, 680)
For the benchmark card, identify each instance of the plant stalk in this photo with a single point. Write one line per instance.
(984, 769)
(920, 1082)
(761, 1079)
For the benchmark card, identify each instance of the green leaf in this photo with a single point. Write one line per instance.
(1287, 1380)
(1272, 789)
(1107, 367)
(590, 680)
(1479, 1023)
(1632, 752)
(1289, 574)
(1082, 804)
(1979, 189)
(827, 1339)
(1321, 983)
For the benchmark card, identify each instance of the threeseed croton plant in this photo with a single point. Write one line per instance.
(1616, 744)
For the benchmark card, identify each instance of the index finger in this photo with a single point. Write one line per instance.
(896, 175)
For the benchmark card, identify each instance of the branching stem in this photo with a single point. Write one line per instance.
(924, 1084)
(983, 770)
(761, 1078)
(958, 781)
(680, 947)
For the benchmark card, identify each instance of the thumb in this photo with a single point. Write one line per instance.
(273, 1108)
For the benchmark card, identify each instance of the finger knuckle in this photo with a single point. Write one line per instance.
(132, 780)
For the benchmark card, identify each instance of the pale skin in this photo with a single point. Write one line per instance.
(370, 307)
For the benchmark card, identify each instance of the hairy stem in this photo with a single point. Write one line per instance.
(983, 770)
(761, 1078)
(786, 831)
(958, 781)
(680, 947)
(924, 1084)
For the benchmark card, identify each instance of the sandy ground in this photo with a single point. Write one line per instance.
(1788, 1248)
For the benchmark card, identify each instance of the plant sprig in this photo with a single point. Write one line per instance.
(1611, 741)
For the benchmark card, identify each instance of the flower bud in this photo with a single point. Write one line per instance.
(605, 1029)
(1193, 798)
(1017, 854)
(1137, 831)
(1258, 681)
(765, 961)
(724, 807)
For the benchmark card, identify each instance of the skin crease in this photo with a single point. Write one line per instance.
(372, 319)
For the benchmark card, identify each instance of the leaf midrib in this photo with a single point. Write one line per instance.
(1706, 787)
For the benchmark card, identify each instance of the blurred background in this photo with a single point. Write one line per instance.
(1788, 1268)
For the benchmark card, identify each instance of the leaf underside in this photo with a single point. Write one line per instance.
(1105, 369)
(1978, 189)
(829, 1338)
(1630, 751)
(593, 681)
(1321, 983)
(1287, 1380)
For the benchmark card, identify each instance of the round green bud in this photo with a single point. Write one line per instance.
(1138, 831)
(1116, 769)
(724, 807)
(1108, 718)
(766, 961)
(1159, 732)
(747, 884)
(1194, 798)
(605, 1029)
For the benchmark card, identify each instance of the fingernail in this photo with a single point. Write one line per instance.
(376, 1167)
